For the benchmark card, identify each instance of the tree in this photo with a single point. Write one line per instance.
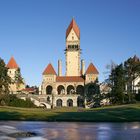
(132, 70)
(5, 80)
(121, 81)
(93, 93)
(18, 79)
(118, 86)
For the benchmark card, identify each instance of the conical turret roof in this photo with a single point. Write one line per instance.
(12, 64)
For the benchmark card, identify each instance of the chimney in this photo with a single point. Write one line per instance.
(59, 68)
(82, 67)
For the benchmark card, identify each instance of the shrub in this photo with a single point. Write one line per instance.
(12, 100)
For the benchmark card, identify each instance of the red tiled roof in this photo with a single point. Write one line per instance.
(69, 79)
(49, 70)
(91, 69)
(73, 26)
(29, 89)
(12, 64)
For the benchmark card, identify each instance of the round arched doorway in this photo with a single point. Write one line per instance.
(70, 103)
(59, 103)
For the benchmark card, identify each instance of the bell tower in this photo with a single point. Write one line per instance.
(72, 51)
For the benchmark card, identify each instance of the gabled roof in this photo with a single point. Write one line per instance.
(49, 70)
(69, 79)
(12, 64)
(29, 89)
(91, 69)
(73, 26)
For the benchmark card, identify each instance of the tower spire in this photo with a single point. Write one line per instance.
(73, 26)
(73, 49)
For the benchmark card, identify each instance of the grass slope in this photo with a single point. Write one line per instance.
(122, 113)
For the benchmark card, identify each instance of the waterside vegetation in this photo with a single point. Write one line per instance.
(118, 113)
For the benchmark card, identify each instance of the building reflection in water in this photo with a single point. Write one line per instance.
(75, 131)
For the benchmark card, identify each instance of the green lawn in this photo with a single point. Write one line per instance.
(122, 113)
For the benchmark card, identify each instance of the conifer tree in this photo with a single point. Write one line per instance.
(4, 78)
(93, 93)
(121, 81)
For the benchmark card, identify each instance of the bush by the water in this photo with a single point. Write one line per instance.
(138, 96)
(12, 100)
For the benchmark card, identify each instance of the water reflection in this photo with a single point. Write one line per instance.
(72, 131)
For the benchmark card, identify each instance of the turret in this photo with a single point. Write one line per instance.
(59, 68)
(49, 74)
(49, 79)
(91, 73)
(13, 70)
(82, 67)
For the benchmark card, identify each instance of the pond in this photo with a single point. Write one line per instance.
(10, 130)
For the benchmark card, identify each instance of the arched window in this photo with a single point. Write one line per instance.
(49, 90)
(69, 102)
(70, 89)
(60, 90)
(59, 103)
(80, 90)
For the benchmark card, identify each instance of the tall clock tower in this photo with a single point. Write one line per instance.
(72, 51)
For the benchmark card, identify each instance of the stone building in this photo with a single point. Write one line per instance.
(69, 90)
(13, 70)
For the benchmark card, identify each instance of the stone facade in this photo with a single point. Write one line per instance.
(68, 90)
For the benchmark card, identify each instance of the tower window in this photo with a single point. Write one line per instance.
(72, 46)
(69, 46)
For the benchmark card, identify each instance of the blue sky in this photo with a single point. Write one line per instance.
(33, 31)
